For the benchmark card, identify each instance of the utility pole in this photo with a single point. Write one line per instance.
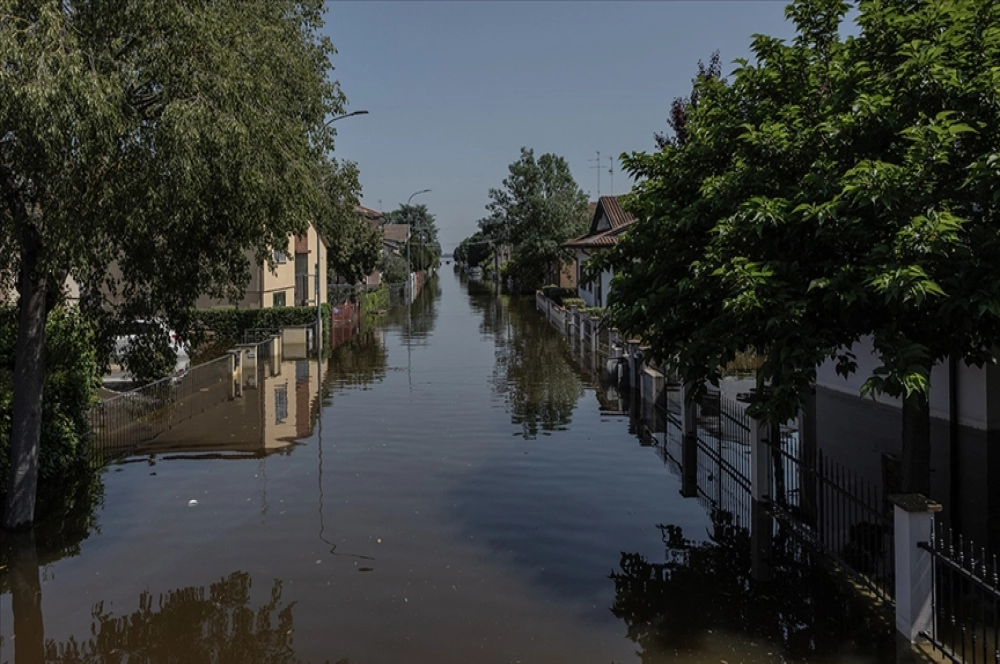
(598, 167)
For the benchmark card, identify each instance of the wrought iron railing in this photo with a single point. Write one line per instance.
(966, 599)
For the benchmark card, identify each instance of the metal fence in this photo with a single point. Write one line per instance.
(120, 424)
(966, 599)
(832, 509)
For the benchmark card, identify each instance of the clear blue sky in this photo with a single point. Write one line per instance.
(454, 88)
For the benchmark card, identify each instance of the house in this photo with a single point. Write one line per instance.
(292, 280)
(394, 238)
(607, 224)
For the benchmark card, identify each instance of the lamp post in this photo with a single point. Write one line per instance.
(319, 248)
(409, 287)
(346, 115)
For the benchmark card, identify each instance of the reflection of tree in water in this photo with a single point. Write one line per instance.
(707, 588)
(189, 625)
(532, 372)
(359, 361)
(423, 314)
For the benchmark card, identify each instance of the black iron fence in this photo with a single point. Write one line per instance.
(966, 599)
(835, 511)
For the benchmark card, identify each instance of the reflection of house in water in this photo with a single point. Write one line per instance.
(274, 409)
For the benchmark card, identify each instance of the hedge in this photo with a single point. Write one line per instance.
(230, 323)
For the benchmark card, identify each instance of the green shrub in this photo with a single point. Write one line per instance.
(376, 300)
(570, 302)
(558, 295)
(229, 324)
(71, 376)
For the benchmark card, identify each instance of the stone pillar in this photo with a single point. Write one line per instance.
(689, 444)
(913, 515)
(760, 459)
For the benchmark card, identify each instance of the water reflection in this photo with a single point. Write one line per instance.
(276, 408)
(706, 592)
(356, 363)
(532, 375)
(416, 328)
(193, 624)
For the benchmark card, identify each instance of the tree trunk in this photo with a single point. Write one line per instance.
(29, 380)
(26, 597)
(916, 462)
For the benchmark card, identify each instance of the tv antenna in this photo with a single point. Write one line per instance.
(598, 167)
(611, 172)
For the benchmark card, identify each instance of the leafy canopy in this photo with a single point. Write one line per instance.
(831, 189)
(538, 208)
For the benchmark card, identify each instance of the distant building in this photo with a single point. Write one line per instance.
(607, 224)
(291, 282)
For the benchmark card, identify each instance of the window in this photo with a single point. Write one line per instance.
(279, 299)
(280, 403)
(280, 256)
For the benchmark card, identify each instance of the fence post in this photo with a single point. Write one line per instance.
(913, 515)
(689, 444)
(760, 460)
(233, 377)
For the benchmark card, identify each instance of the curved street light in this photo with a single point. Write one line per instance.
(346, 115)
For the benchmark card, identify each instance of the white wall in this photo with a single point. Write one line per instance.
(973, 405)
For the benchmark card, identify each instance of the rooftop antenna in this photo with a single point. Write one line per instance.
(598, 167)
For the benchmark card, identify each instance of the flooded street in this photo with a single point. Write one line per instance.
(462, 496)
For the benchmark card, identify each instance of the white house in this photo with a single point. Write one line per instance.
(608, 223)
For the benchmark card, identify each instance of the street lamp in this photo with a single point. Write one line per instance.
(409, 287)
(319, 248)
(346, 115)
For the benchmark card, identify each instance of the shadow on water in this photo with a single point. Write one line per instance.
(532, 375)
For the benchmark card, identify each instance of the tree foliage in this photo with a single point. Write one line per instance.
(833, 189)
(538, 208)
(354, 243)
(144, 148)
(425, 249)
(474, 250)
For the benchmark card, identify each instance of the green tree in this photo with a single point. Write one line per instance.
(425, 249)
(474, 250)
(538, 208)
(835, 189)
(145, 147)
(355, 244)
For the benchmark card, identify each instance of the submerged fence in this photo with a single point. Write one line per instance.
(120, 424)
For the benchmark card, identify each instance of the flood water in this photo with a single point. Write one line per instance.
(463, 491)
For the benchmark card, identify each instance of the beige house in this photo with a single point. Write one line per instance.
(292, 280)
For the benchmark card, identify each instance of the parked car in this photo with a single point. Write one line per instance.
(155, 326)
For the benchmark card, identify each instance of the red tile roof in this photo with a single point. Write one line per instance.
(616, 215)
(397, 233)
(367, 212)
(618, 218)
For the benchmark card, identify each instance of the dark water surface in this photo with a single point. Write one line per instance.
(463, 497)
